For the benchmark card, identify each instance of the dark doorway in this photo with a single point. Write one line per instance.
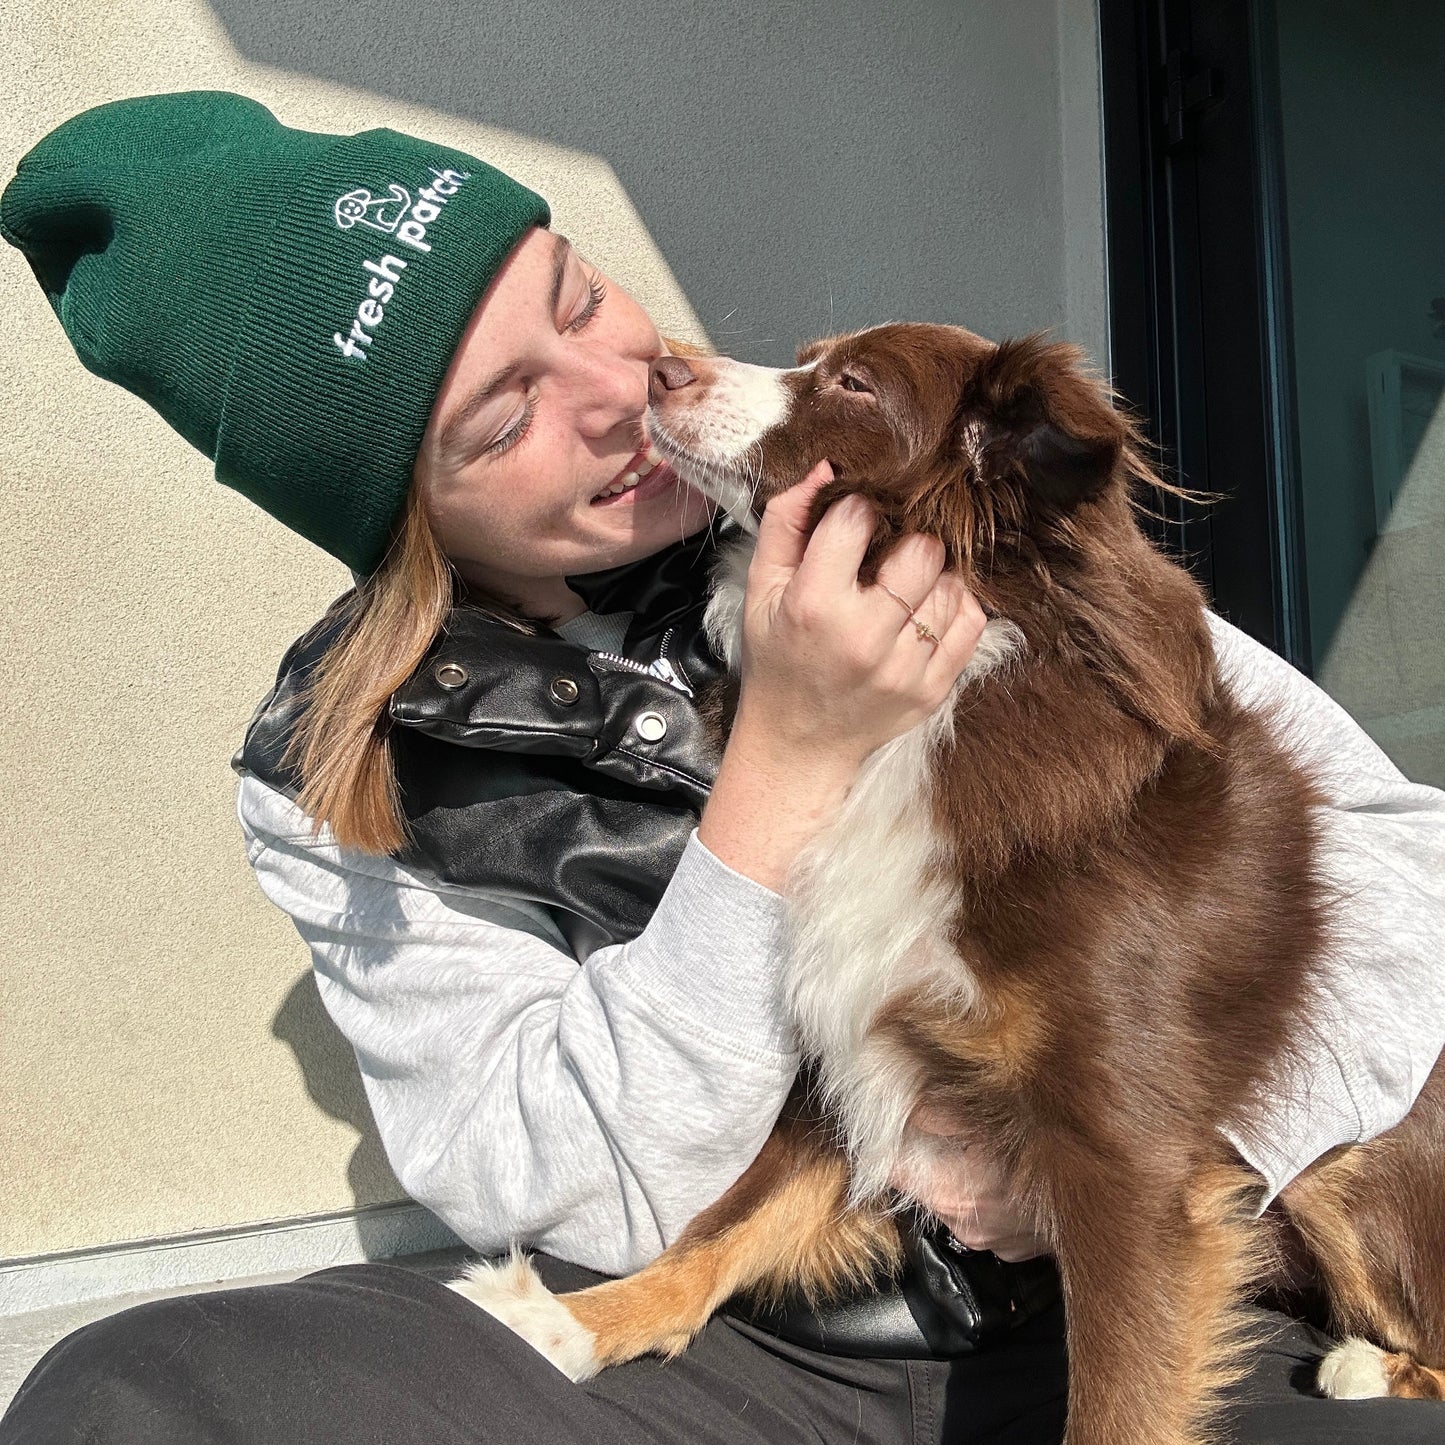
(1277, 274)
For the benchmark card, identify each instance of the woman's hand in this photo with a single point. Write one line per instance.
(830, 671)
(828, 663)
(966, 1188)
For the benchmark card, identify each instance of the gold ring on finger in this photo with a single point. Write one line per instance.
(902, 602)
(925, 633)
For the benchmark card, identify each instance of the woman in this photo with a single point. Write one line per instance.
(541, 909)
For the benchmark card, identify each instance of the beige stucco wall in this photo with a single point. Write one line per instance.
(156, 1013)
(164, 1063)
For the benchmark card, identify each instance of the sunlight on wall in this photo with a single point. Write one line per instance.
(159, 1050)
(1386, 662)
(166, 1063)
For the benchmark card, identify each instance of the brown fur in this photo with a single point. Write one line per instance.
(784, 1225)
(1139, 911)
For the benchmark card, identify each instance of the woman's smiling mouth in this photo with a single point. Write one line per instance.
(643, 467)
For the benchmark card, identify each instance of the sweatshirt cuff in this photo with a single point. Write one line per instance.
(1308, 1110)
(710, 959)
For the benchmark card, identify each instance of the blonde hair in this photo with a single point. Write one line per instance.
(342, 742)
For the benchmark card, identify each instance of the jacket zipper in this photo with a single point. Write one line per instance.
(663, 667)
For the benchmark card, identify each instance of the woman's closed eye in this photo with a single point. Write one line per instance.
(596, 295)
(517, 430)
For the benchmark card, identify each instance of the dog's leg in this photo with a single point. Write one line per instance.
(1150, 1295)
(1358, 1370)
(1371, 1217)
(786, 1223)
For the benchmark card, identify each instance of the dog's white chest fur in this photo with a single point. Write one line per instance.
(868, 913)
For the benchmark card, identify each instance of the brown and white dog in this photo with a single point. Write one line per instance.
(1078, 906)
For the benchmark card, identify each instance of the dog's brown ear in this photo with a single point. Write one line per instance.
(1031, 411)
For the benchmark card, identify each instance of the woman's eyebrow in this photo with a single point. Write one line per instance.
(457, 422)
(561, 250)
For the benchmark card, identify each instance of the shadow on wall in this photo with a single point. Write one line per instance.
(802, 167)
(329, 1069)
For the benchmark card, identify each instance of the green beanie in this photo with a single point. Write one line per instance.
(288, 301)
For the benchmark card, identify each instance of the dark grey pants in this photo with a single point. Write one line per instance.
(376, 1355)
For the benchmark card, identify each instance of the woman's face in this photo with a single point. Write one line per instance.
(540, 414)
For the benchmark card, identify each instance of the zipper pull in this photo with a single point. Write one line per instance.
(669, 674)
(664, 668)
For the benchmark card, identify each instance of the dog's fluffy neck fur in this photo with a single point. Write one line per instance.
(1096, 667)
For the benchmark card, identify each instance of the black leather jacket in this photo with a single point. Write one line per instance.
(538, 770)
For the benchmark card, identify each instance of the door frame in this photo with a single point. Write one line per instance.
(1197, 259)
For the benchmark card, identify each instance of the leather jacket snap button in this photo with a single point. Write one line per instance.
(450, 676)
(651, 726)
(564, 690)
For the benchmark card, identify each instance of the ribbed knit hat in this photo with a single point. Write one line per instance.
(288, 301)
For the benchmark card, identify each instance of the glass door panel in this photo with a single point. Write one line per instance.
(1361, 98)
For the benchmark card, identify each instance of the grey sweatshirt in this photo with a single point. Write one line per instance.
(591, 1111)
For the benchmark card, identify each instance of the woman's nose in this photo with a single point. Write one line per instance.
(611, 389)
(669, 373)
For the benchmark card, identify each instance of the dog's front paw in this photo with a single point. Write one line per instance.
(511, 1291)
(1354, 1370)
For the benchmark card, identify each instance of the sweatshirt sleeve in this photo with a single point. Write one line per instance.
(588, 1110)
(1379, 1024)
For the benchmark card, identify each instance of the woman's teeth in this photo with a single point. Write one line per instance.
(631, 479)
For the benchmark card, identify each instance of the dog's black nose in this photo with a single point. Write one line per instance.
(669, 373)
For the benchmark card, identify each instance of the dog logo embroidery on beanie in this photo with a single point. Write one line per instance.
(360, 205)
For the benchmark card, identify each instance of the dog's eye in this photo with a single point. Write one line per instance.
(851, 382)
